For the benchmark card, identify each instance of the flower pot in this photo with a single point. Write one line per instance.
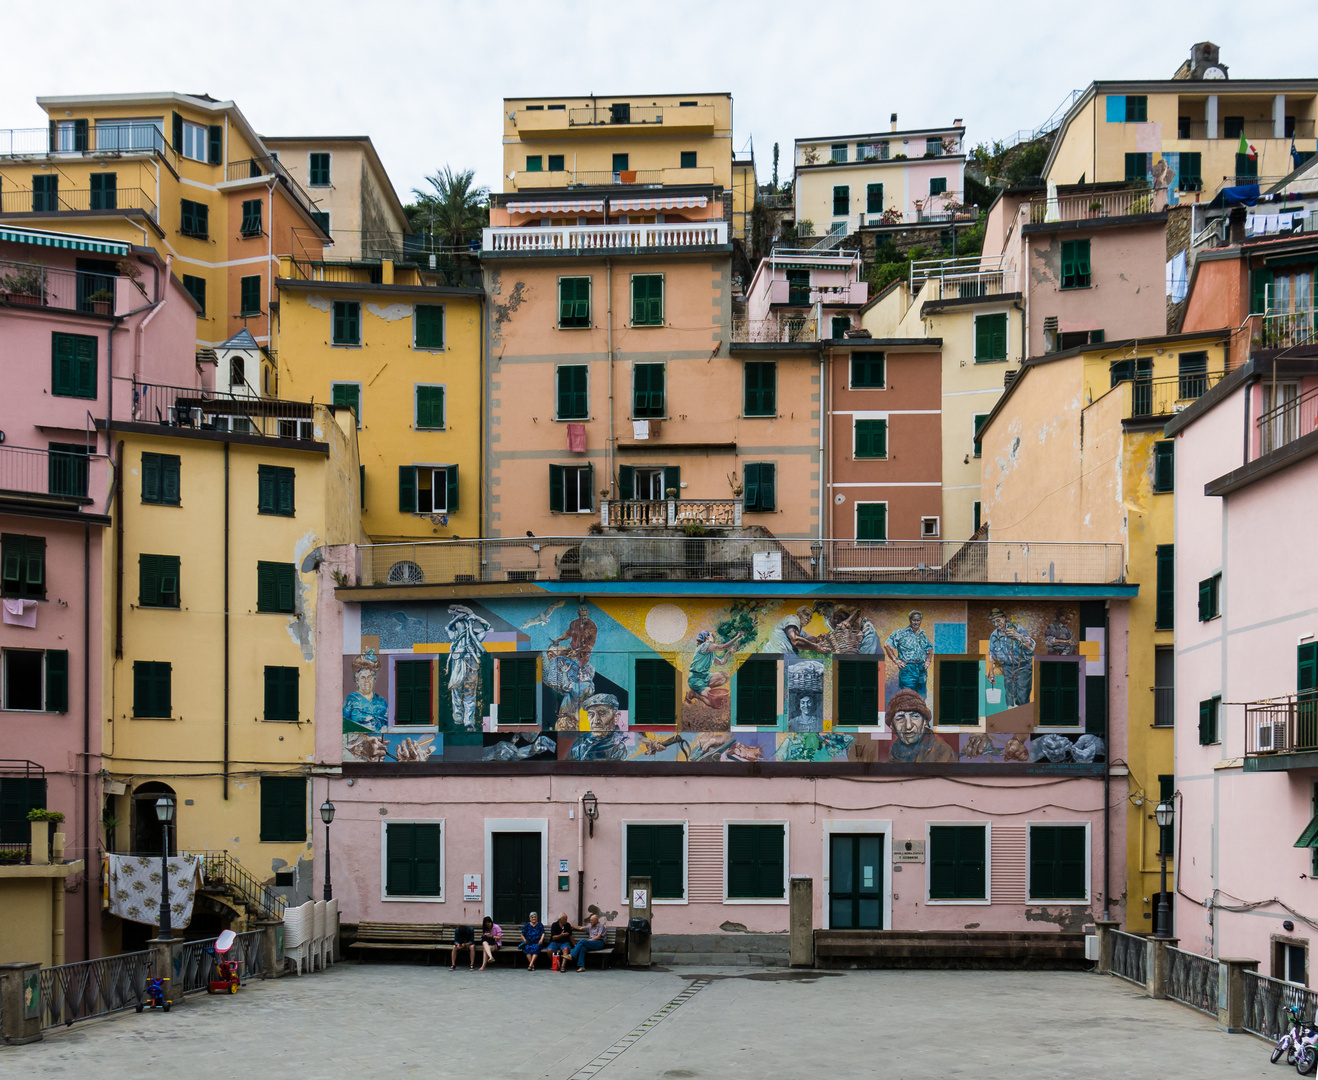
(24, 299)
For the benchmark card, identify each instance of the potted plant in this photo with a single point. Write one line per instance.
(25, 285)
(1095, 205)
(100, 301)
(52, 817)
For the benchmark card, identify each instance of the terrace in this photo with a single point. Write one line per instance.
(595, 239)
(1085, 205)
(77, 200)
(1282, 733)
(963, 278)
(199, 410)
(32, 285)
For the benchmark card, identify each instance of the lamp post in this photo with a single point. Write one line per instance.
(165, 812)
(591, 805)
(1165, 814)
(327, 815)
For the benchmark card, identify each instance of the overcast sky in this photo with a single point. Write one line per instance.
(426, 80)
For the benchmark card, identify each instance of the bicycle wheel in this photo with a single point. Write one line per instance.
(1279, 1049)
(1305, 1059)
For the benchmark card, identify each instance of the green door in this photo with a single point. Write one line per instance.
(517, 874)
(855, 881)
(1306, 697)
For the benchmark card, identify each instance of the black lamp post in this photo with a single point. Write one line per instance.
(1165, 815)
(165, 812)
(327, 815)
(591, 805)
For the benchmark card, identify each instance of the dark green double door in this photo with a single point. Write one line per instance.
(518, 872)
(855, 889)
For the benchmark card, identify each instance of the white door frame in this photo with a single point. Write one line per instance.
(535, 825)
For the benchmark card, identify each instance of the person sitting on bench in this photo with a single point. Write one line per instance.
(491, 939)
(462, 939)
(533, 936)
(560, 939)
(593, 940)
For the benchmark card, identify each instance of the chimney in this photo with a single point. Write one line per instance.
(956, 122)
(893, 121)
(1236, 225)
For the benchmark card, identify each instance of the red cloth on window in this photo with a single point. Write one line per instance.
(576, 438)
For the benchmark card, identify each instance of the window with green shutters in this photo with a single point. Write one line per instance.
(428, 326)
(873, 198)
(571, 489)
(1059, 864)
(647, 299)
(574, 302)
(1208, 721)
(151, 689)
(1137, 108)
(760, 486)
(573, 396)
(251, 225)
(412, 694)
(104, 191)
(1260, 291)
(1210, 598)
(250, 295)
(276, 587)
(196, 287)
(798, 285)
(760, 378)
(347, 328)
(1190, 174)
(857, 691)
(348, 394)
(158, 581)
(319, 175)
(688, 159)
(34, 680)
(1137, 168)
(867, 371)
(647, 391)
(958, 692)
(838, 325)
(656, 852)
(1075, 264)
(958, 862)
(321, 218)
(45, 193)
(412, 859)
(66, 469)
(1247, 168)
(1164, 465)
(430, 407)
(757, 692)
(1165, 589)
(284, 808)
(937, 185)
(275, 489)
(841, 200)
(535, 163)
(870, 439)
(281, 701)
(1059, 693)
(555, 162)
(518, 690)
(991, 337)
(73, 365)
(194, 219)
(757, 862)
(871, 521)
(160, 478)
(22, 567)
(57, 680)
(655, 700)
(18, 795)
(977, 428)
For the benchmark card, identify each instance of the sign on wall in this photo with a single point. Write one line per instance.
(471, 886)
(911, 851)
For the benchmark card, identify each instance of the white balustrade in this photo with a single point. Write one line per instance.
(574, 238)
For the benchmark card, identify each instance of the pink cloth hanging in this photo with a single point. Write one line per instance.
(21, 613)
(576, 438)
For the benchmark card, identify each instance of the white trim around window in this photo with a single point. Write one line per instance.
(855, 517)
(883, 828)
(686, 886)
(443, 387)
(1089, 860)
(497, 825)
(988, 865)
(787, 863)
(384, 860)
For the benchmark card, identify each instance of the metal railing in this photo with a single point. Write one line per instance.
(1284, 725)
(569, 239)
(35, 285)
(99, 138)
(1267, 1001)
(784, 329)
(958, 214)
(1130, 957)
(605, 114)
(1283, 329)
(249, 948)
(50, 473)
(73, 992)
(253, 167)
(624, 558)
(1094, 204)
(1164, 706)
(1163, 397)
(957, 269)
(12, 854)
(220, 870)
(193, 965)
(671, 513)
(27, 201)
(1192, 980)
(212, 410)
(1288, 421)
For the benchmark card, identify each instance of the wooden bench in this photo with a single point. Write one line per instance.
(438, 937)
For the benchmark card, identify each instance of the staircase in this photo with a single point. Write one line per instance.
(229, 883)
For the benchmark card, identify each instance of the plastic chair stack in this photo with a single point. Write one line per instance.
(298, 934)
(332, 931)
(317, 942)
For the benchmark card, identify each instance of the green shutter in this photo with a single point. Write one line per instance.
(276, 585)
(656, 692)
(285, 481)
(647, 390)
(867, 370)
(283, 808)
(572, 397)
(151, 689)
(266, 497)
(858, 692)
(178, 134)
(871, 521)
(760, 486)
(1082, 261)
(755, 862)
(871, 439)
(626, 481)
(761, 386)
(874, 198)
(757, 691)
(958, 692)
(451, 479)
(407, 489)
(991, 337)
(286, 576)
(73, 365)
(1164, 466)
(956, 860)
(1207, 724)
(215, 143)
(148, 581)
(517, 690)
(1164, 618)
(426, 860)
(1059, 693)
(250, 295)
(556, 489)
(751, 485)
(673, 480)
(655, 851)
(430, 407)
(1260, 288)
(574, 302)
(281, 693)
(647, 300)
(428, 332)
(57, 680)
(1057, 862)
(1068, 263)
(400, 874)
(1206, 600)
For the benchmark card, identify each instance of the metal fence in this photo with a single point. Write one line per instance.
(1284, 725)
(211, 410)
(1288, 422)
(1130, 957)
(1266, 1002)
(193, 965)
(1192, 980)
(73, 992)
(220, 870)
(27, 201)
(249, 949)
(44, 472)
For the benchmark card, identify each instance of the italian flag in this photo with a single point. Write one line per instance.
(1246, 147)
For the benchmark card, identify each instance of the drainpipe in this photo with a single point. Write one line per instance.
(1107, 772)
(87, 876)
(1025, 293)
(581, 860)
(825, 489)
(224, 780)
(480, 413)
(160, 303)
(119, 559)
(609, 439)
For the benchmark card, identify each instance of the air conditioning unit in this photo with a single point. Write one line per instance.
(1270, 735)
(405, 573)
(1091, 947)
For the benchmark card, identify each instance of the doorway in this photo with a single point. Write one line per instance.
(855, 892)
(518, 872)
(147, 831)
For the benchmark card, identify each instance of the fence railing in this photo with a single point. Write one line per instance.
(1094, 204)
(27, 201)
(34, 285)
(963, 268)
(193, 964)
(1192, 980)
(73, 992)
(1164, 397)
(567, 239)
(253, 167)
(1283, 329)
(96, 138)
(1288, 421)
(14, 853)
(221, 871)
(1283, 725)
(1267, 1001)
(774, 329)
(670, 513)
(606, 114)
(210, 410)
(248, 947)
(1130, 957)
(56, 474)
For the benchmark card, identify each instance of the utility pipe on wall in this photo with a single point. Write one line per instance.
(608, 438)
(581, 857)
(224, 781)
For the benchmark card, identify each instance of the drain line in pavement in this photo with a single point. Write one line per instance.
(593, 1067)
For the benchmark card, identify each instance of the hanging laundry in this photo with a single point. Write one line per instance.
(21, 613)
(640, 429)
(576, 438)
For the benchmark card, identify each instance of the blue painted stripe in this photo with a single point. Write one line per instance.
(956, 590)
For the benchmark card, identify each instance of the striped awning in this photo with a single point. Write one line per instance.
(658, 202)
(72, 241)
(556, 206)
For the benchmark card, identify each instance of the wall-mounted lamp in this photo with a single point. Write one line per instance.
(591, 805)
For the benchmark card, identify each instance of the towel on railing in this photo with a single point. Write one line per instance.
(21, 613)
(134, 883)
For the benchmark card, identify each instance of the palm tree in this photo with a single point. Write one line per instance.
(456, 211)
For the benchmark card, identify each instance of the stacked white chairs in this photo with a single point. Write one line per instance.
(332, 931)
(317, 942)
(299, 931)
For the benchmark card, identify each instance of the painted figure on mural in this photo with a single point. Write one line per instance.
(701, 679)
(466, 631)
(814, 746)
(849, 630)
(789, 636)
(1057, 638)
(568, 669)
(915, 741)
(805, 696)
(1011, 650)
(364, 707)
(910, 651)
(604, 742)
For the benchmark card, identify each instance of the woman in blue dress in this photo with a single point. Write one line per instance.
(364, 707)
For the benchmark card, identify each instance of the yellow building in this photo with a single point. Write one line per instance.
(403, 349)
(743, 195)
(1074, 451)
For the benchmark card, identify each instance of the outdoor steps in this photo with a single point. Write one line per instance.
(948, 949)
(756, 950)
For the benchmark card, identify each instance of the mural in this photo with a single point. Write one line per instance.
(444, 703)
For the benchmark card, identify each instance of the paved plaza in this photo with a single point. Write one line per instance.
(391, 1020)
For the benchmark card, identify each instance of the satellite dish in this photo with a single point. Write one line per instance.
(512, 175)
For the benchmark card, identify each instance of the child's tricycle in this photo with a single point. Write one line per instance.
(155, 992)
(228, 979)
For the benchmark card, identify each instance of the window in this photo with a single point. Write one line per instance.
(798, 286)
(656, 692)
(857, 691)
(1165, 592)
(933, 147)
(620, 163)
(1247, 167)
(839, 325)
(319, 174)
(647, 391)
(428, 326)
(1137, 108)
(274, 485)
(870, 439)
(534, 163)
(284, 808)
(194, 219)
(45, 194)
(348, 394)
(977, 428)
(991, 337)
(1059, 865)
(760, 482)
(656, 852)
(160, 478)
(838, 153)
(873, 198)
(647, 299)
(1075, 264)
(1233, 127)
(18, 795)
(958, 862)
(1059, 694)
(347, 322)
(1164, 465)
(555, 162)
(151, 689)
(872, 521)
(412, 700)
(1192, 375)
(104, 195)
(322, 220)
(518, 690)
(571, 489)
(158, 581)
(191, 140)
(73, 365)
(24, 682)
(251, 225)
(573, 302)
(1137, 168)
(867, 371)
(573, 396)
(276, 587)
(1289, 962)
(66, 469)
(841, 200)
(1190, 175)
(979, 510)
(1208, 710)
(196, 287)
(620, 113)
(412, 859)
(1210, 590)
(757, 691)
(929, 528)
(1166, 834)
(250, 292)
(22, 567)
(429, 408)
(281, 701)
(427, 489)
(958, 692)
(757, 862)
(761, 388)
(688, 159)
(938, 185)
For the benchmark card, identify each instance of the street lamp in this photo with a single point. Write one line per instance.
(327, 815)
(165, 812)
(1165, 815)
(591, 805)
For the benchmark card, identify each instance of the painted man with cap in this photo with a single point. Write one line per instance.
(911, 651)
(1011, 649)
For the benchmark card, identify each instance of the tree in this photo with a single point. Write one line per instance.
(775, 167)
(455, 212)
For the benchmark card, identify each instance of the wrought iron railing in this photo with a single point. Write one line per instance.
(211, 410)
(1130, 957)
(220, 870)
(14, 853)
(1288, 421)
(193, 964)
(35, 285)
(252, 167)
(1284, 329)
(96, 138)
(1192, 980)
(50, 473)
(1164, 397)
(21, 201)
(73, 992)
(1267, 1001)
(1283, 725)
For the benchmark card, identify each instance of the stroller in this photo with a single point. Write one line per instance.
(227, 971)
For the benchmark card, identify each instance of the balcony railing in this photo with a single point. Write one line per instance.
(1283, 329)
(764, 331)
(1094, 204)
(1164, 706)
(253, 167)
(589, 239)
(670, 513)
(1284, 725)
(57, 475)
(606, 114)
(678, 558)
(32, 285)
(958, 214)
(1288, 421)
(210, 410)
(99, 139)
(1164, 397)
(26, 201)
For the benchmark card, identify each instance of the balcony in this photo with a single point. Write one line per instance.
(701, 175)
(30, 285)
(84, 200)
(1151, 398)
(842, 294)
(604, 118)
(107, 138)
(594, 239)
(964, 278)
(255, 167)
(951, 215)
(383, 272)
(1282, 733)
(191, 409)
(1095, 204)
(1287, 422)
(1283, 329)
(670, 513)
(50, 477)
(785, 329)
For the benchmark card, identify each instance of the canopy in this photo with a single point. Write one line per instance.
(556, 206)
(72, 241)
(657, 202)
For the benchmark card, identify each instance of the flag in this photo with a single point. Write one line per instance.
(1244, 145)
(1253, 153)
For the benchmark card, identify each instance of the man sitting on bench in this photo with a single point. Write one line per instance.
(593, 940)
(462, 939)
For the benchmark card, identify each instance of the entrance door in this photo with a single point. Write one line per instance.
(855, 890)
(517, 874)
